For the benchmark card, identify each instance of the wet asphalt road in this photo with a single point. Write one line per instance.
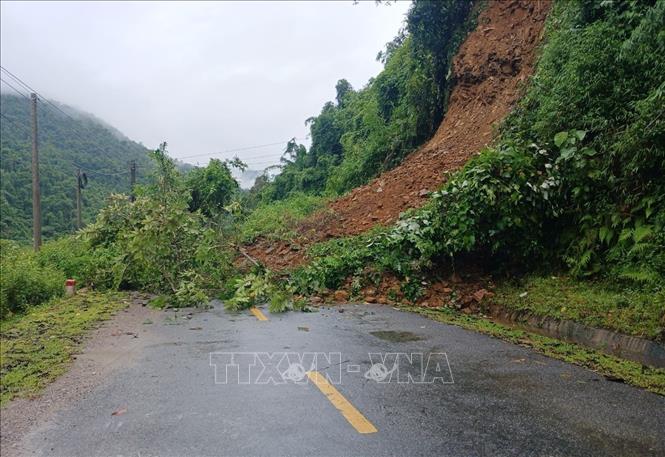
(502, 399)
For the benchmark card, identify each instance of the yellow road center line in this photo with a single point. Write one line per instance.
(259, 315)
(350, 413)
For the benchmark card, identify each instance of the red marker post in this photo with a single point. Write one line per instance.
(70, 287)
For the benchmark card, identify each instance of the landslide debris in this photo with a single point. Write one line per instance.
(490, 71)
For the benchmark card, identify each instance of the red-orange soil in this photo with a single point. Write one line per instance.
(490, 70)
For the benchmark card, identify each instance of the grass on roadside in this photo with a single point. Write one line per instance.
(652, 379)
(594, 303)
(277, 220)
(37, 346)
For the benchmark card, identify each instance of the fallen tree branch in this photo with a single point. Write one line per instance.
(242, 251)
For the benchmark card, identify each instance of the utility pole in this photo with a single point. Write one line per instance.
(78, 198)
(132, 180)
(36, 199)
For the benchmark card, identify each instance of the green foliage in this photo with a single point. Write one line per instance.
(633, 373)
(95, 146)
(636, 311)
(23, 281)
(212, 188)
(277, 220)
(36, 347)
(68, 254)
(370, 130)
(435, 31)
(250, 290)
(30, 278)
(610, 85)
(576, 176)
(158, 243)
(262, 287)
(331, 263)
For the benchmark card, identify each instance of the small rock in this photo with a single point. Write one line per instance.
(370, 299)
(341, 296)
(316, 299)
(423, 193)
(480, 294)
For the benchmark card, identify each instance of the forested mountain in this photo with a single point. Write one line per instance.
(371, 129)
(66, 139)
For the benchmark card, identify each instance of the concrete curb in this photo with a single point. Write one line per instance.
(628, 347)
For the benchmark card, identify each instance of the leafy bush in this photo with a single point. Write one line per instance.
(212, 187)
(23, 281)
(369, 130)
(158, 243)
(69, 254)
(277, 219)
(261, 287)
(332, 262)
(631, 310)
(59, 148)
(250, 290)
(576, 176)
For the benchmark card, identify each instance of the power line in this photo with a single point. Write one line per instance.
(17, 124)
(30, 89)
(104, 173)
(75, 131)
(14, 88)
(15, 78)
(247, 148)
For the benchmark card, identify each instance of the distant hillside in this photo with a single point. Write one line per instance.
(246, 178)
(80, 138)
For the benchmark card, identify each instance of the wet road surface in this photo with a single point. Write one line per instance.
(371, 381)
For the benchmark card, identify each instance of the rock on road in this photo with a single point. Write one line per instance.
(487, 398)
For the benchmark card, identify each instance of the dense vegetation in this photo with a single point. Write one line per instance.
(171, 240)
(576, 178)
(574, 182)
(364, 132)
(571, 193)
(36, 347)
(64, 140)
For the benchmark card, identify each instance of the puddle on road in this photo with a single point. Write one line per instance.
(395, 336)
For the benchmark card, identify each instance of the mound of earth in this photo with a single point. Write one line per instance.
(490, 69)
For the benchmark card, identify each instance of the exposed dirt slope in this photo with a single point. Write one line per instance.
(490, 70)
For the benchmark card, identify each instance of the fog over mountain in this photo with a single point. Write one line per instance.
(203, 76)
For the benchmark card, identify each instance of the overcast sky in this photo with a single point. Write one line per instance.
(203, 76)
